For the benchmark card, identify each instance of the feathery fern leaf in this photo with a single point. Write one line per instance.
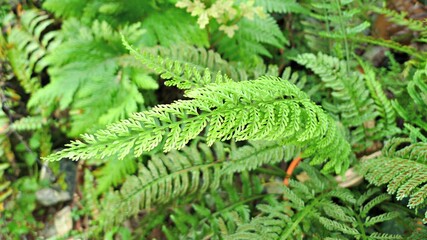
(332, 212)
(202, 59)
(177, 73)
(88, 78)
(348, 89)
(279, 6)
(387, 124)
(247, 110)
(173, 26)
(227, 205)
(248, 44)
(403, 170)
(30, 47)
(30, 123)
(417, 90)
(167, 177)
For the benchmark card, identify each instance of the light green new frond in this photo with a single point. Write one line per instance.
(348, 89)
(200, 58)
(30, 47)
(265, 109)
(183, 75)
(404, 171)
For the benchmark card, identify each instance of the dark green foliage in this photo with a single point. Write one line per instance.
(89, 61)
(29, 48)
(318, 210)
(248, 89)
(403, 170)
(249, 42)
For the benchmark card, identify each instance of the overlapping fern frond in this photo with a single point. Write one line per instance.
(30, 44)
(278, 6)
(417, 91)
(264, 109)
(333, 213)
(200, 59)
(386, 126)
(218, 210)
(166, 178)
(403, 169)
(89, 62)
(196, 168)
(351, 96)
(251, 40)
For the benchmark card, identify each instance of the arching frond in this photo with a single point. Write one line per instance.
(235, 110)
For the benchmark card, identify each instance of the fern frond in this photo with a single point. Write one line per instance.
(316, 214)
(387, 124)
(236, 110)
(167, 177)
(400, 18)
(402, 170)
(248, 44)
(87, 63)
(114, 173)
(182, 75)
(411, 51)
(228, 205)
(67, 8)
(348, 89)
(30, 123)
(30, 47)
(174, 26)
(279, 6)
(201, 59)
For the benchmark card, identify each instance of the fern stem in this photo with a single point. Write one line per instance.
(291, 169)
(362, 229)
(300, 216)
(344, 32)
